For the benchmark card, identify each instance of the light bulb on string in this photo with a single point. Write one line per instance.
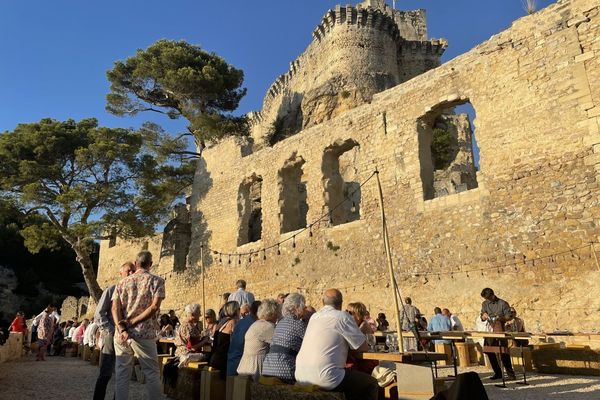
(353, 208)
(294, 241)
(240, 259)
(264, 254)
(278, 250)
(250, 257)
(229, 259)
(310, 232)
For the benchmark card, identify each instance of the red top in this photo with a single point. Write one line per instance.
(18, 325)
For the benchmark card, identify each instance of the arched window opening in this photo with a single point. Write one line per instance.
(448, 151)
(293, 203)
(342, 189)
(250, 210)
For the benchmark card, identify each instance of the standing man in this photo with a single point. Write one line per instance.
(410, 318)
(439, 323)
(497, 312)
(136, 303)
(240, 295)
(321, 361)
(106, 324)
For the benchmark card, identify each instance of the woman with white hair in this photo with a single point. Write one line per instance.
(287, 339)
(258, 339)
(188, 339)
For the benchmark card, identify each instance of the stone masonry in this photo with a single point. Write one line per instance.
(525, 229)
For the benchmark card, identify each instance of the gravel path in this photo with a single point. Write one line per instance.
(61, 378)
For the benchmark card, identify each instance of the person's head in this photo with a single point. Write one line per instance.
(254, 308)
(244, 310)
(293, 305)
(358, 311)
(225, 297)
(126, 269)
(50, 308)
(20, 315)
(210, 317)
(86, 322)
(446, 312)
(232, 309)
(333, 298)
(143, 260)
(488, 294)
(164, 320)
(408, 300)
(172, 313)
(269, 310)
(437, 310)
(381, 316)
(240, 284)
(513, 312)
(62, 325)
(309, 311)
(281, 297)
(192, 312)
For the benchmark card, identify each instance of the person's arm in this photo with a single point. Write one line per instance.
(117, 314)
(506, 314)
(484, 316)
(101, 316)
(147, 313)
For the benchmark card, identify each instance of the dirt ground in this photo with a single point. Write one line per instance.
(61, 378)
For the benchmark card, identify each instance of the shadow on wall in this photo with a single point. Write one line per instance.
(198, 228)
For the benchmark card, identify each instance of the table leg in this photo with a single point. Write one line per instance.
(501, 364)
(524, 367)
(453, 349)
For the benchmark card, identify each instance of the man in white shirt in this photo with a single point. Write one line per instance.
(240, 295)
(456, 324)
(321, 361)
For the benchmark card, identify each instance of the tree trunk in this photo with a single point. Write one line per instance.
(87, 267)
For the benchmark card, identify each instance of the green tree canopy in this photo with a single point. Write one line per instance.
(178, 79)
(89, 181)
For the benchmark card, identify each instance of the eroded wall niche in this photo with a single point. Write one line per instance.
(293, 205)
(342, 190)
(250, 210)
(446, 156)
(177, 238)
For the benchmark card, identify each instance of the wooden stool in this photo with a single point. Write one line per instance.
(463, 355)
(95, 357)
(447, 349)
(211, 385)
(240, 388)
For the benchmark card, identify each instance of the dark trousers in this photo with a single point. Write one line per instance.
(358, 386)
(107, 366)
(504, 357)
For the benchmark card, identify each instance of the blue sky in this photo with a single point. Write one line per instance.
(55, 54)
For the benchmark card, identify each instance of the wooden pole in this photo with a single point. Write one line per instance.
(595, 256)
(386, 243)
(203, 273)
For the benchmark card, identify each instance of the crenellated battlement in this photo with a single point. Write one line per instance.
(363, 17)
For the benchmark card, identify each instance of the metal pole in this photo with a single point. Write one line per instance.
(595, 256)
(386, 242)
(202, 271)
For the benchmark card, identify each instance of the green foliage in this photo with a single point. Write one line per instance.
(180, 80)
(88, 180)
(443, 148)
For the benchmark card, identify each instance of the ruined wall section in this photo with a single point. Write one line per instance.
(538, 189)
(355, 54)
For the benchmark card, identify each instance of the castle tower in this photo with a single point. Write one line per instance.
(356, 52)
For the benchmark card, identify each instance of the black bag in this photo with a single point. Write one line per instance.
(170, 372)
(467, 386)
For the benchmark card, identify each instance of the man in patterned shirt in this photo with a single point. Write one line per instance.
(136, 303)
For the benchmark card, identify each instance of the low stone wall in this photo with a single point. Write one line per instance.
(13, 348)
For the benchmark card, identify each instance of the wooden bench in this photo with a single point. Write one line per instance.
(212, 387)
(290, 392)
(189, 383)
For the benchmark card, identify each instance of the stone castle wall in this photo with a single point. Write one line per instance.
(524, 231)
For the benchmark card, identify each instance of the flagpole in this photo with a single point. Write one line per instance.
(386, 242)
